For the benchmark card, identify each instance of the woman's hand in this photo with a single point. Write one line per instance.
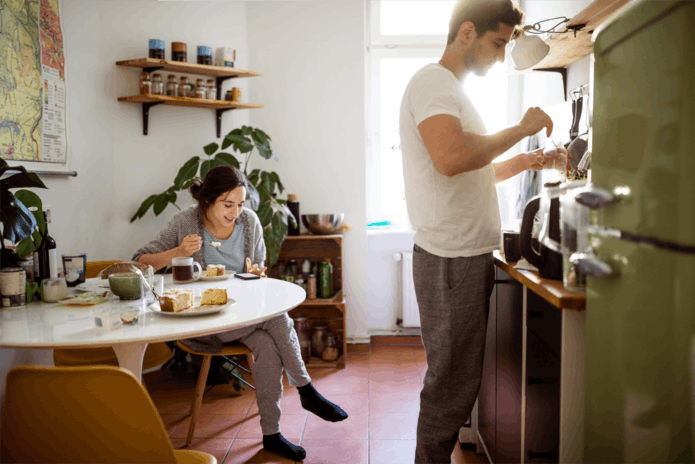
(534, 160)
(190, 244)
(253, 268)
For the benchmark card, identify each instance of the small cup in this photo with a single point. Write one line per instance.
(126, 285)
(158, 284)
(182, 270)
(53, 290)
(236, 94)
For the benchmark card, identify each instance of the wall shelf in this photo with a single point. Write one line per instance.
(220, 74)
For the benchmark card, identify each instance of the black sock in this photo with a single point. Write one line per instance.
(312, 401)
(276, 443)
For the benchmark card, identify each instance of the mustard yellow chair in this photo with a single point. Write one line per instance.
(84, 415)
(156, 354)
(234, 349)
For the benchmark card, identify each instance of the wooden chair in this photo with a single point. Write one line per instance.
(156, 354)
(227, 350)
(84, 415)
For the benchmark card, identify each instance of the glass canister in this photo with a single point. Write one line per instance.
(156, 49)
(145, 83)
(199, 89)
(318, 338)
(311, 287)
(555, 167)
(205, 55)
(301, 326)
(178, 52)
(331, 352)
(172, 86)
(326, 279)
(184, 87)
(211, 90)
(157, 85)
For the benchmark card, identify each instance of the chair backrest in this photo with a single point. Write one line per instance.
(80, 415)
(93, 267)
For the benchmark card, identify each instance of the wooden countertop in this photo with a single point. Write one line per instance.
(551, 290)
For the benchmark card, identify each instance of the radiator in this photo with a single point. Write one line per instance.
(411, 312)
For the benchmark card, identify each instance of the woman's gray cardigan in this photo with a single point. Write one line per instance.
(190, 221)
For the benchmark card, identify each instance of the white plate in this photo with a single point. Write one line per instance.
(95, 286)
(198, 310)
(226, 276)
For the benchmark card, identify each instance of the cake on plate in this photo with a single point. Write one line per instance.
(214, 270)
(213, 296)
(177, 299)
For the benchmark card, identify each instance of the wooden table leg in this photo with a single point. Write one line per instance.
(130, 356)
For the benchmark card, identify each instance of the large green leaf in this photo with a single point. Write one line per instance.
(239, 142)
(144, 207)
(22, 179)
(246, 130)
(160, 203)
(32, 201)
(17, 221)
(253, 196)
(265, 214)
(187, 171)
(267, 184)
(225, 158)
(205, 167)
(254, 176)
(277, 181)
(210, 148)
(29, 245)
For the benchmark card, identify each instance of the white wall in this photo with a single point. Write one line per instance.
(312, 54)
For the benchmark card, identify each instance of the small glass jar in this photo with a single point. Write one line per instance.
(200, 91)
(184, 87)
(301, 326)
(178, 52)
(299, 281)
(331, 352)
(172, 86)
(318, 339)
(145, 83)
(211, 90)
(157, 85)
(228, 95)
(311, 287)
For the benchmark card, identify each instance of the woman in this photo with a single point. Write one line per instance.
(220, 216)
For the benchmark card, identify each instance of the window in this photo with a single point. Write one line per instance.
(404, 36)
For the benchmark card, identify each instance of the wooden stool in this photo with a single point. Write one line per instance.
(227, 350)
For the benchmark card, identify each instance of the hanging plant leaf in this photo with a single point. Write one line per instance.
(226, 158)
(254, 176)
(246, 130)
(239, 142)
(267, 183)
(187, 171)
(205, 167)
(17, 221)
(265, 214)
(144, 207)
(211, 148)
(160, 203)
(277, 181)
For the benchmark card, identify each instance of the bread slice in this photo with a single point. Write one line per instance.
(213, 296)
(214, 270)
(175, 300)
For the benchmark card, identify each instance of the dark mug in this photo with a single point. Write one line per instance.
(512, 252)
(182, 270)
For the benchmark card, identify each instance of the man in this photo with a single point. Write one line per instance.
(451, 198)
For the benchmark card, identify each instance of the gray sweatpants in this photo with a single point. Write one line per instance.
(453, 295)
(274, 345)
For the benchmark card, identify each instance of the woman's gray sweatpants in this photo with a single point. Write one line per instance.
(274, 345)
(453, 295)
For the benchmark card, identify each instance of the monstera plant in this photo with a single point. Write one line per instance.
(21, 213)
(261, 193)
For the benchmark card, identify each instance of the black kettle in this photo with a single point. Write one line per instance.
(548, 261)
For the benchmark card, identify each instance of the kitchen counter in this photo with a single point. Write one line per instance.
(551, 290)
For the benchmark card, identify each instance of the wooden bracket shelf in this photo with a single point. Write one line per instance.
(220, 74)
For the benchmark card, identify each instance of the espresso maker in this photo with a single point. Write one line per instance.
(542, 215)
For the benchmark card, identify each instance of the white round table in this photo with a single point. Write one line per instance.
(52, 325)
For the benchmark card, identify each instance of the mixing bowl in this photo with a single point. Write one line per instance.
(323, 224)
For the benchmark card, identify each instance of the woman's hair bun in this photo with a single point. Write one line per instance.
(195, 187)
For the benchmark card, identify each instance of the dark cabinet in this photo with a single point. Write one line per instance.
(487, 397)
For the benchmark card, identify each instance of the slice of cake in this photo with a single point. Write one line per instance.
(175, 300)
(213, 296)
(214, 270)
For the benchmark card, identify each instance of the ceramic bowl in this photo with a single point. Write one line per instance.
(125, 285)
(323, 224)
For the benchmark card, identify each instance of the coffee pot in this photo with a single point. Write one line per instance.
(542, 212)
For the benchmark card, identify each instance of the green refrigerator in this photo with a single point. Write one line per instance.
(640, 310)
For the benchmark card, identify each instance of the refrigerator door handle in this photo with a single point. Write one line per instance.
(589, 264)
(595, 197)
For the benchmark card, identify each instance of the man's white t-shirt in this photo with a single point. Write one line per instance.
(454, 216)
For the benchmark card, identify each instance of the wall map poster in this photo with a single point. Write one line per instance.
(33, 120)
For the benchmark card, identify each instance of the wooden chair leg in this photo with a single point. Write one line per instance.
(198, 396)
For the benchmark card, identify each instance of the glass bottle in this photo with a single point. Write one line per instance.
(301, 326)
(184, 87)
(306, 268)
(157, 85)
(326, 277)
(331, 352)
(145, 83)
(199, 89)
(211, 90)
(311, 287)
(172, 86)
(48, 255)
(318, 338)
(293, 205)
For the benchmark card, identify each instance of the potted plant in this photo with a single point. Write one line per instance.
(272, 212)
(21, 214)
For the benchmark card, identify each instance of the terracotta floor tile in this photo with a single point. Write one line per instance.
(357, 359)
(336, 451)
(210, 426)
(391, 353)
(217, 447)
(392, 426)
(331, 385)
(391, 451)
(395, 368)
(171, 422)
(291, 425)
(350, 371)
(251, 451)
(386, 382)
(353, 428)
(420, 354)
(394, 403)
(172, 405)
(353, 405)
(236, 404)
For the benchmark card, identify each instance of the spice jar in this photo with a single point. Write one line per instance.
(172, 86)
(184, 87)
(205, 55)
(331, 352)
(300, 281)
(199, 89)
(211, 90)
(157, 85)
(311, 287)
(318, 339)
(178, 51)
(301, 326)
(228, 95)
(145, 83)
(156, 49)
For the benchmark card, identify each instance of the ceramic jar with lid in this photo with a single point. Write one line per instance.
(318, 338)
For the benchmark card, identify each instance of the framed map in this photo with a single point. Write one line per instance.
(33, 101)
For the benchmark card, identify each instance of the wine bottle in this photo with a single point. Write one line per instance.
(48, 256)
(293, 205)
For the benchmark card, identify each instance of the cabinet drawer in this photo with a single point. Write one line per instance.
(542, 441)
(545, 321)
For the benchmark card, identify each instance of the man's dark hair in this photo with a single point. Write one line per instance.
(486, 15)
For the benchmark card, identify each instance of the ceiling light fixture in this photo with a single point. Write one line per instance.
(529, 49)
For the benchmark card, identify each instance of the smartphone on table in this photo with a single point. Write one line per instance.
(247, 276)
